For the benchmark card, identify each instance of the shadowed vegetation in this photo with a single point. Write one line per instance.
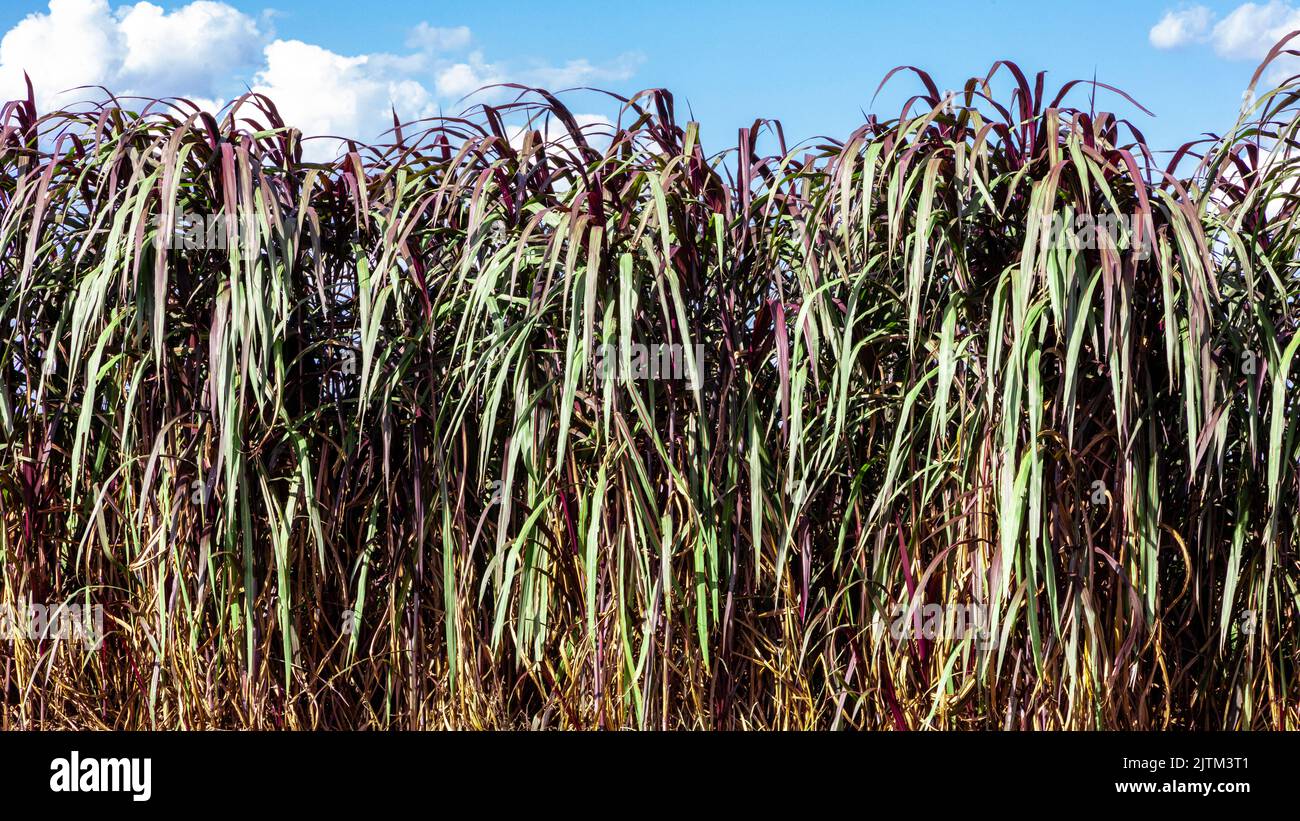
(356, 462)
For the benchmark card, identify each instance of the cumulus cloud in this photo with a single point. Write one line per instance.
(460, 79)
(135, 49)
(1251, 30)
(1247, 33)
(210, 52)
(433, 38)
(323, 93)
(192, 48)
(1179, 28)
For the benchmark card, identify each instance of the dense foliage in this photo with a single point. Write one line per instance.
(377, 443)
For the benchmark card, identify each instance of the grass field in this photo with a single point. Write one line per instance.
(978, 417)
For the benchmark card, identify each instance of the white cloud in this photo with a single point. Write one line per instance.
(1251, 30)
(137, 49)
(432, 38)
(595, 129)
(40, 44)
(192, 49)
(1247, 33)
(323, 93)
(460, 79)
(1179, 28)
(582, 72)
(210, 52)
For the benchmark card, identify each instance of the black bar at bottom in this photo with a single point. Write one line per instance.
(385, 772)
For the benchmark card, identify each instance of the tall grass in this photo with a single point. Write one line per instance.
(362, 466)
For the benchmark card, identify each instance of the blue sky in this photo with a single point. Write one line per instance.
(338, 63)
